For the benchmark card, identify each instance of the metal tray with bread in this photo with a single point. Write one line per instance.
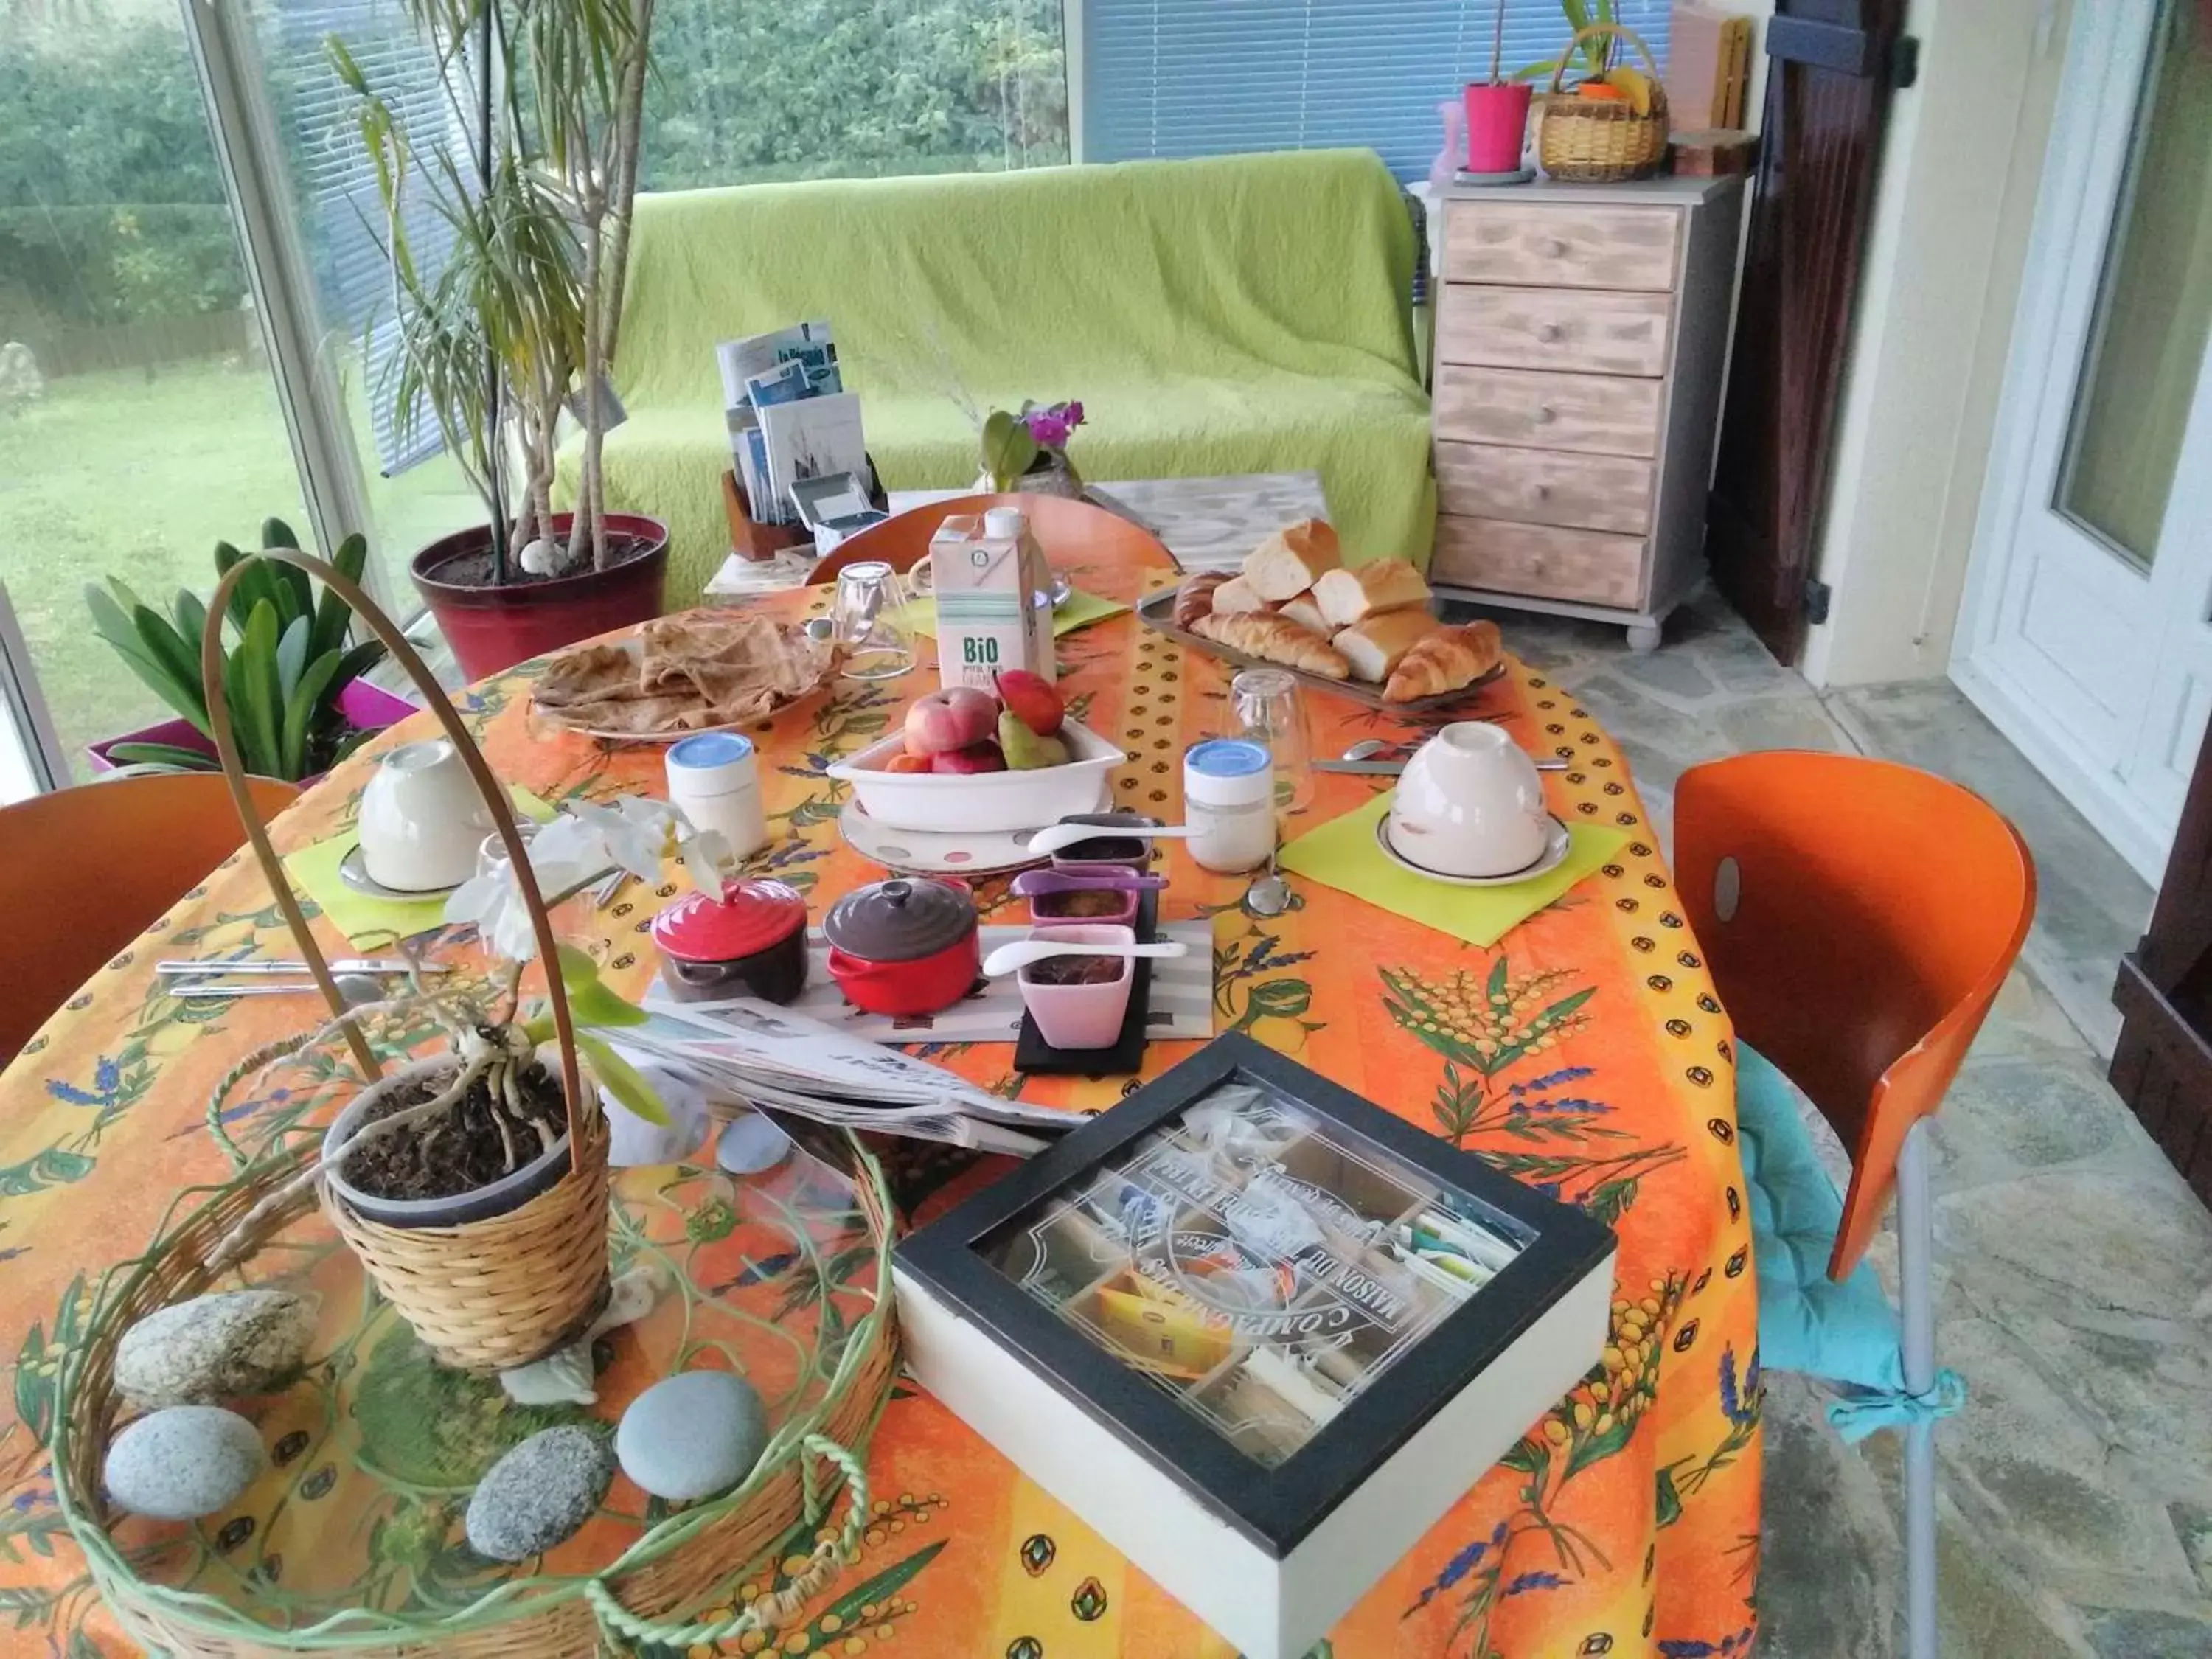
(1366, 633)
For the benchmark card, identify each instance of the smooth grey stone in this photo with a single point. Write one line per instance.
(184, 1461)
(749, 1145)
(215, 1347)
(692, 1436)
(540, 1493)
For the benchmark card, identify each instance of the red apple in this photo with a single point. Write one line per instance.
(1034, 699)
(955, 718)
(976, 757)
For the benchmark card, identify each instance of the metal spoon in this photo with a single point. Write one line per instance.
(1059, 837)
(1008, 958)
(1359, 758)
(356, 990)
(1268, 895)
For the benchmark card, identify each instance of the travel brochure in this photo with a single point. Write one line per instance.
(791, 423)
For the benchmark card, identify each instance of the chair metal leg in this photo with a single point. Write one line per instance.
(1916, 1231)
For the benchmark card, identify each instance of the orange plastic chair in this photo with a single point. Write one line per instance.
(1859, 917)
(1066, 528)
(83, 871)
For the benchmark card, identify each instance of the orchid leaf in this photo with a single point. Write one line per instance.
(622, 1080)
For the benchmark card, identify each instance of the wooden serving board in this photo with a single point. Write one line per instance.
(1157, 613)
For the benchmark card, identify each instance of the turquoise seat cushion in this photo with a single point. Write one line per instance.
(1848, 1332)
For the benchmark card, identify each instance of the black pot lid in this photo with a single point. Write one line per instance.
(900, 920)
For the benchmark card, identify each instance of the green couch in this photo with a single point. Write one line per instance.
(1240, 314)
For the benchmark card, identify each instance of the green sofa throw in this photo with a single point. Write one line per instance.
(1247, 314)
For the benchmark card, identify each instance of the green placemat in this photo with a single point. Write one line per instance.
(358, 915)
(1343, 853)
(1082, 608)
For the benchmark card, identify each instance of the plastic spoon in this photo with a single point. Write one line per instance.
(1059, 837)
(1011, 958)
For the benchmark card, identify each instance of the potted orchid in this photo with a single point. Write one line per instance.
(1028, 450)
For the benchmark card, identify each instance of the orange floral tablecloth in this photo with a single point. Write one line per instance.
(1586, 1053)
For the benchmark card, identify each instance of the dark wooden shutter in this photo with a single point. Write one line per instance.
(1827, 96)
(2163, 1066)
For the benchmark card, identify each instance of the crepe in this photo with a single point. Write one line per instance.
(686, 673)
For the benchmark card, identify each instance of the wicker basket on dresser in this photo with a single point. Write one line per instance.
(1581, 332)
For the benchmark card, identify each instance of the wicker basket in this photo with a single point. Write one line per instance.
(672, 1567)
(1593, 141)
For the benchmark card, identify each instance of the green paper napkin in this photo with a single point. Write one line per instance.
(1082, 608)
(314, 870)
(1343, 854)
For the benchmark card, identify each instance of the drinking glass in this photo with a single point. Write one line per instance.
(1264, 705)
(868, 624)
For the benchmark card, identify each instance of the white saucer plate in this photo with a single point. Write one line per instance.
(1557, 845)
(921, 853)
(353, 870)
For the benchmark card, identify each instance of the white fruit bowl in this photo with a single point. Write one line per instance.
(981, 803)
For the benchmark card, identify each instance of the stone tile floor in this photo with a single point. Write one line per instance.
(2075, 1269)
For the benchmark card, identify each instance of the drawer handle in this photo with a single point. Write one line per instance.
(1545, 414)
(1554, 248)
(1551, 333)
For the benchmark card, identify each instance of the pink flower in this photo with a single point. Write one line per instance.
(1053, 427)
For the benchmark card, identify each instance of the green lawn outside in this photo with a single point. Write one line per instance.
(138, 473)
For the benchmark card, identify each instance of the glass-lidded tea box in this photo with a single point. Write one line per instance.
(1258, 1332)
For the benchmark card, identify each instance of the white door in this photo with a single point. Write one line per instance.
(2087, 635)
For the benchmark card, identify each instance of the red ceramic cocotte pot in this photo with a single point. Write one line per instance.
(904, 947)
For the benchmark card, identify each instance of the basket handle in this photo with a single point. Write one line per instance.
(494, 798)
(1559, 71)
(762, 1612)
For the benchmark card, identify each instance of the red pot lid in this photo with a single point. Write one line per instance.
(901, 921)
(750, 916)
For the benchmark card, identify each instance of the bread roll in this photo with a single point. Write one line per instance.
(1445, 661)
(1195, 596)
(1349, 596)
(1237, 598)
(1272, 640)
(1306, 614)
(1289, 562)
(1374, 648)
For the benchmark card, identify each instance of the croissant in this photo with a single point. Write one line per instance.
(1446, 661)
(1195, 599)
(1274, 639)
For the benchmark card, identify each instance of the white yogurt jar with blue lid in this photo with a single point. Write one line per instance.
(1228, 802)
(714, 779)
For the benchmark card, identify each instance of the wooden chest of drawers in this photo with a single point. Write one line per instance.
(1581, 337)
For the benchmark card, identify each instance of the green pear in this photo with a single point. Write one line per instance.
(1024, 750)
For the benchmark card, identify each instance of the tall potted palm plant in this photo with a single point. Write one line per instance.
(534, 172)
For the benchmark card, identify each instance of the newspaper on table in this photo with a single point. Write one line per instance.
(775, 370)
(763, 1052)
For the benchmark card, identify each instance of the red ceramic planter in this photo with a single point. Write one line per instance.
(492, 629)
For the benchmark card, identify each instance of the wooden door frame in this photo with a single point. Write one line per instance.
(1834, 63)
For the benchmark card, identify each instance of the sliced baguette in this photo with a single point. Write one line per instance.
(1349, 596)
(1376, 646)
(1237, 598)
(1305, 613)
(1290, 562)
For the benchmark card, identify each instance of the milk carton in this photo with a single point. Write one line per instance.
(993, 587)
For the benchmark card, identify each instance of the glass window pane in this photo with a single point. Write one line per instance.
(139, 424)
(749, 90)
(1260, 1265)
(2155, 305)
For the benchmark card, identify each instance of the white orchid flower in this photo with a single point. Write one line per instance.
(633, 832)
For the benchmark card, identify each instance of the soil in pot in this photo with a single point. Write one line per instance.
(462, 1148)
(475, 570)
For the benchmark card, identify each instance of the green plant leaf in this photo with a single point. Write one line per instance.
(176, 665)
(590, 1002)
(1008, 449)
(292, 656)
(301, 707)
(190, 613)
(274, 532)
(161, 754)
(622, 1079)
(333, 615)
(355, 663)
(258, 700)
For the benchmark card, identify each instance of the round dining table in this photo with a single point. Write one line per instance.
(1585, 1053)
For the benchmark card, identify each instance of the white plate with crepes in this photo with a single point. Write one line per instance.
(924, 853)
(761, 676)
(1558, 843)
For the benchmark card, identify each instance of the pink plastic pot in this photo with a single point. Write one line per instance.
(1079, 1016)
(368, 708)
(1497, 125)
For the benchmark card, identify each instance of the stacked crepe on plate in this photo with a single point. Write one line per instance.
(1295, 602)
(687, 673)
